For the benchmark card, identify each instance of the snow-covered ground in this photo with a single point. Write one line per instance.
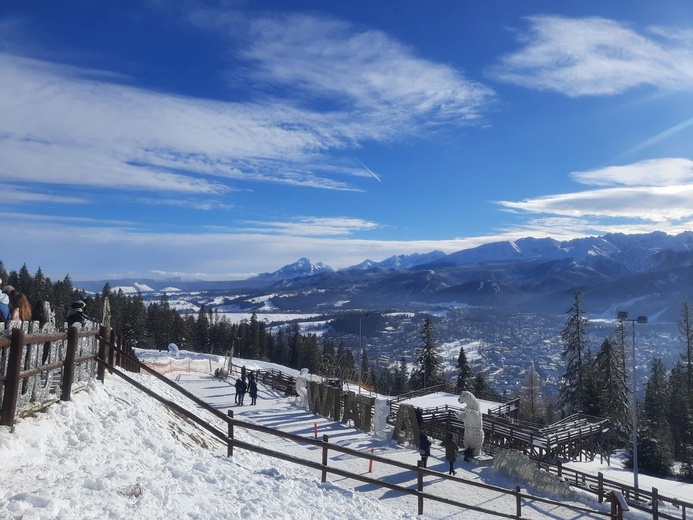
(113, 452)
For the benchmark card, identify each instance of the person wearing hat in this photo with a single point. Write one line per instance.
(76, 314)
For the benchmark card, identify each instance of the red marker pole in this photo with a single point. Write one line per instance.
(315, 428)
(370, 462)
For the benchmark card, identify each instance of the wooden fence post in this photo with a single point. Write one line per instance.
(325, 440)
(111, 351)
(419, 485)
(655, 504)
(600, 486)
(101, 368)
(518, 502)
(69, 363)
(14, 364)
(229, 443)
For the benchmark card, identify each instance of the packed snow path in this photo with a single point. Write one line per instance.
(114, 452)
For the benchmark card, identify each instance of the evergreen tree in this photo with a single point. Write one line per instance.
(464, 374)
(613, 394)
(572, 395)
(428, 369)
(654, 434)
(481, 385)
(680, 416)
(685, 325)
(202, 331)
(401, 378)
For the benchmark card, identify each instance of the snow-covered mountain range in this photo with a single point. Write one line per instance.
(654, 271)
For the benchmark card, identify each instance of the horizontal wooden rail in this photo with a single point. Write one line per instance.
(233, 423)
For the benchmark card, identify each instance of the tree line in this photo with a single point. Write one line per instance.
(599, 383)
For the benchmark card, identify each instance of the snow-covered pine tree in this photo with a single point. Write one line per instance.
(574, 336)
(428, 369)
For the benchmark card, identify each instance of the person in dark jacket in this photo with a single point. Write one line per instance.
(252, 391)
(424, 449)
(242, 388)
(76, 314)
(450, 453)
(237, 386)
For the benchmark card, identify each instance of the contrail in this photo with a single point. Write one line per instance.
(369, 170)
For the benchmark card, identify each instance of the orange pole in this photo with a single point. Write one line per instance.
(370, 463)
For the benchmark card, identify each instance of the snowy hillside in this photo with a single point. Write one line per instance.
(114, 452)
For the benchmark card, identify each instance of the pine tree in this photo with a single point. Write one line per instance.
(401, 378)
(613, 395)
(654, 434)
(680, 416)
(464, 374)
(685, 325)
(428, 362)
(572, 395)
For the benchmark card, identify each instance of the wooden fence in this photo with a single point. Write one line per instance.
(228, 437)
(42, 368)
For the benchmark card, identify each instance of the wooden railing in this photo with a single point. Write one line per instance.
(324, 468)
(42, 368)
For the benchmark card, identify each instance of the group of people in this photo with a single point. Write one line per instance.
(450, 451)
(15, 306)
(242, 388)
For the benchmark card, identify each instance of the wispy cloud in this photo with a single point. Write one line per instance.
(597, 56)
(313, 226)
(71, 126)
(653, 191)
(363, 70)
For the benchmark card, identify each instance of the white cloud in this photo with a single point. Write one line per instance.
(313, 226)
(66, 125)
(364, 70)
(652, 172)
(596, 56)
(654, 191)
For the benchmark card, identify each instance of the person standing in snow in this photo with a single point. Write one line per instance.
(424, 449)
(237, 386)
(252, 391)
(450, 452)
(76, 314)
(242, 387)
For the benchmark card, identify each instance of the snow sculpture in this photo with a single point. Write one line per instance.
(173, 350)
(473, 426)
(302, 388)
(380, 413)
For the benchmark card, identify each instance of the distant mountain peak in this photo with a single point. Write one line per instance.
(301, 267)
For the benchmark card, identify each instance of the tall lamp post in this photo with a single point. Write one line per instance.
(623, 316)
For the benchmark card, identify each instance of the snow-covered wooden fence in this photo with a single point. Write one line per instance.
(39, 365)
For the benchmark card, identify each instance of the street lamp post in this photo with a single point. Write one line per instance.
(623, 316)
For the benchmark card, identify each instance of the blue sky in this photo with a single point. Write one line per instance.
(218, 140)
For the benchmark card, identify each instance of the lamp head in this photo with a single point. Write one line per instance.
(642, 319)
(622, 315)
